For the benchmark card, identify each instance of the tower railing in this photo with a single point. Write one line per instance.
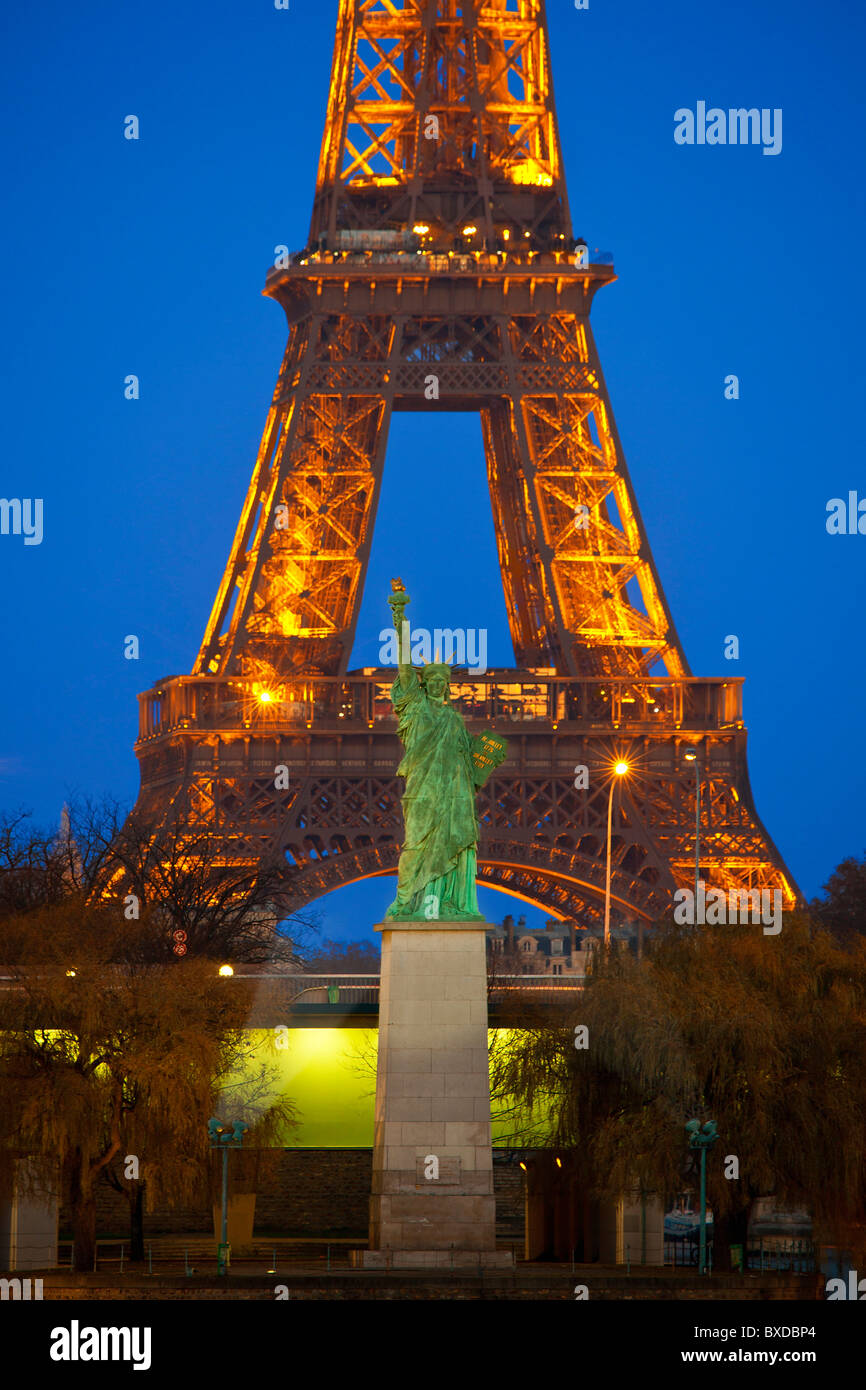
(442, 262)
(362, 701)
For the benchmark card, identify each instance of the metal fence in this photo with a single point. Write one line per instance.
(684, 1253)
(799, 1256)
(768, 1255)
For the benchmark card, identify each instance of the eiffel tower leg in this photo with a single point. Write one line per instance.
(303, 542)
(581, 588)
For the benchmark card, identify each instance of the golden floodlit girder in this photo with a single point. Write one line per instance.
(424, 93)
(440, 273)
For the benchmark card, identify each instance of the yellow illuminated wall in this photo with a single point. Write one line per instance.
(330, 1074)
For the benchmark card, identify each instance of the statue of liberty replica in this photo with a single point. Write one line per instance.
(443, 766)
(432, 1069)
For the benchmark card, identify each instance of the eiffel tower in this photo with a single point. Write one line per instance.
(442, 273)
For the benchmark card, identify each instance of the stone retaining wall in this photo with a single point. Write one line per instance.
(526, 1283)
(314, 1192)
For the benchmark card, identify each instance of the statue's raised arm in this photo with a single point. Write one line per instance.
(397, 601)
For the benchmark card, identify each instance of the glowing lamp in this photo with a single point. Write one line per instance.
(226, 970)
(621, 769)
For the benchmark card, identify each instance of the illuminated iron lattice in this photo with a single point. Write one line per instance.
(441, 248)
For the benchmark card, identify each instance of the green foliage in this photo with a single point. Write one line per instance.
(111, 1045)
(842, 909)
(764, 1035)
(123, 1055)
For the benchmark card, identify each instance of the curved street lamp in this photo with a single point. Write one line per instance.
(702, 1138)
(692, 757)
(225, 1137)
(620, 770)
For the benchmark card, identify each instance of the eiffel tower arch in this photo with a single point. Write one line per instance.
(441, 272)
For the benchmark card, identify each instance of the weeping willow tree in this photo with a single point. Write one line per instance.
(108, 1054)
(764, 1035)
(841, 908)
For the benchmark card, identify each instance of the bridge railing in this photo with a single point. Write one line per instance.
(497, 698)
(344, 992)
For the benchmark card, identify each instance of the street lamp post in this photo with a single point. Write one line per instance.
(702, 1139)
(225, 1137)
(692, 757)
(620, 769)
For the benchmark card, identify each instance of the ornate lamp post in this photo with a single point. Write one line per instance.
(620, 769)
(702, 1139)
(692, 757)
(225, 1137)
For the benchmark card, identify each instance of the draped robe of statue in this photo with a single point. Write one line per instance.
(436, 875)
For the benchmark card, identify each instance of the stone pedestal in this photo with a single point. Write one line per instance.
(432, 1204)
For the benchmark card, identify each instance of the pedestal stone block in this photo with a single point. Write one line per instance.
(432, 1203)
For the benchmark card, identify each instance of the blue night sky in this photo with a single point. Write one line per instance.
(148, 257)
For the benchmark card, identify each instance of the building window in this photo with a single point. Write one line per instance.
(556, 946)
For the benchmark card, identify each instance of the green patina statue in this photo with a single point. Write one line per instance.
(443, 765)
